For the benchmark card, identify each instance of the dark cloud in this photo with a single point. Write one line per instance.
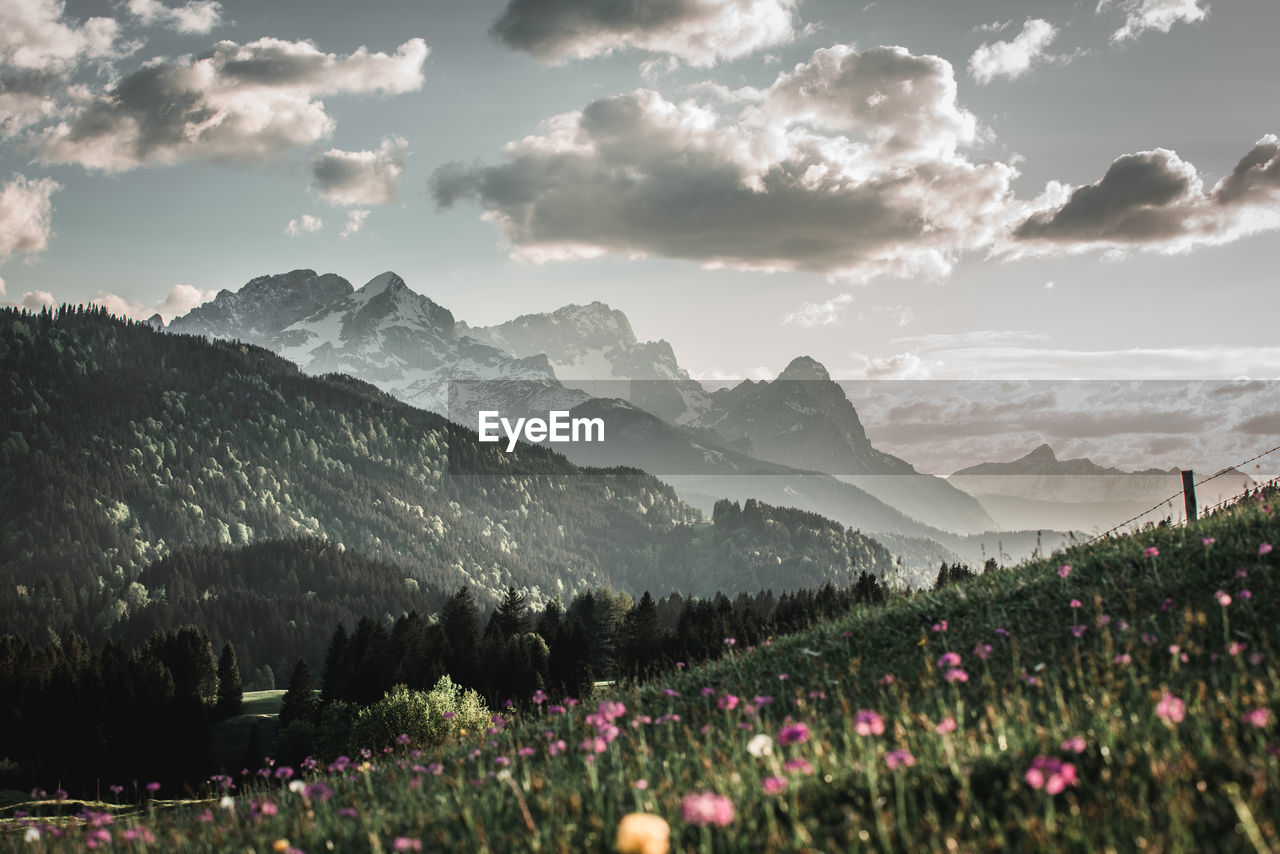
(1256, 178)
(699, 31)
(361, 177)
(1263, 424)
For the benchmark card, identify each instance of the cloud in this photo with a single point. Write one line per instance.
(1263, 424)
(195, 16)
(180, 300)
(351, 178)
(305, 224)
(26, 98)
(1159, 15)
(700, 32)
(237, 104)
(812, 314)
(355, 221)
(36, 300)
(849, 165)
(1014, 58)
(26, 215)
(34, 36)
(1154, 200)
(2, 288)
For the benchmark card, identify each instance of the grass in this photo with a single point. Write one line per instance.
(1064, 735)
(228, 739)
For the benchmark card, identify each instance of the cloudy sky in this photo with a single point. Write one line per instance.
(907, 189)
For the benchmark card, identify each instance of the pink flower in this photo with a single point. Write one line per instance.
(956, 675)
(1264, 549)
(1064, 570)
(1224, 598)
(1123, 659)
(1171, 708)
(728, 702)
(983, 651)
(641, 784)
(867, 722)
(1076, 603)
(1259, 717)
(1151, 551)
(1208, 541)
(405, 843)
(706, 808)
(774, 785)
(1051, 774)
(793, 734)
(539, 697)
(899, 758)
(947, 725)
(940, 626)
(951, 659)
(887, 679)
(730, 642)
(1074, 745)
(800, 765)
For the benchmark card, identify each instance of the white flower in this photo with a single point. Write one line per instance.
(760, 745)
(32, 835)
(227, 803)
(296, 786)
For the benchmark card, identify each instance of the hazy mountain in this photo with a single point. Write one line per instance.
(593, 348)
(1081, 494)
(384, 333)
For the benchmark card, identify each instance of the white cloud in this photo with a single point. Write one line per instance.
(700, 32)
(351, 178)
(240, 103)
(36, 300)
(1159, 15)
(26, 215)
(851, 165)
(35, 36)
(194, 16)
(2, 288)
(180, 300)
(1013, 58)
(826, 313)
(305, 224)
(355, 221)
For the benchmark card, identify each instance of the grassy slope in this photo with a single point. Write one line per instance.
(1211, 782)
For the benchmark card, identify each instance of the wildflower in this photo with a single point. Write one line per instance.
(281, 845)
(407, 843)
(956, 675)
(982, 651)
(705, 808)
(594, 745)
(762, 700)
(317, 791)
(1076, 603)
(32, 835)
(899, 758)
(116, 789)
(97, 838)
(730, 642)
(1051, 774)
(940, 626)
(153, 787)
(526, 752)
(950, 659)
(774, 785)
(205, 817)
(671, 692)
(1166, 605)
(1104, 620)
(1259, 717)
(867, 722)
(556, 710)
(449, 715)
(1074, 745)
(227, 803)
(403, 739)
(800, 765)
(641, 784)
(502, 761)
(643, 833)
(610, 710)
(435, 769)
(1171, 708)
(1123, 659)
(797, 733)
(947, 725)
(539, 697)
(1002, 632)
(348, 812)
(1151, 551)
(887, 679)
(680, 665)
(728, 702)
(1235, 648)
(297, 786)
(707, 691)
(1264, 549)
(1246, 594)
(760, 745)
(1208, 541)
(557, 747)
(784, 676)
(1224, 598)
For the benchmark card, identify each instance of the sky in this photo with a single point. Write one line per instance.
(976, 189)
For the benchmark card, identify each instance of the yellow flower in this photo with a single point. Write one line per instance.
(643, 833)
(280, 845)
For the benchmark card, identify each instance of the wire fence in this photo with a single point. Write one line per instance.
(1168, 501)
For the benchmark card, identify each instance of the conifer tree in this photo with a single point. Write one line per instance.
(230, 691)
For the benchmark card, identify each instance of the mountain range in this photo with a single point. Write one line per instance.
(407, 345)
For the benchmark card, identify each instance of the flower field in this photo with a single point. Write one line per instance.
(1119, 696)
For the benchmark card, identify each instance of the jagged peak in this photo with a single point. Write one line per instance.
(1042, 452)
(387, 281)
(805, 368)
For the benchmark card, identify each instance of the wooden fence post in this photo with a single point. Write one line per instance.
(1189, 493)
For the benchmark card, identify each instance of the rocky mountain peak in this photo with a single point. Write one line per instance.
(805, 368)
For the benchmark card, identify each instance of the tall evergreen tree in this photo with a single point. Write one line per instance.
(230, 691)
(299, 701)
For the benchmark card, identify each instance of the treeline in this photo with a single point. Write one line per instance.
(84, 721)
